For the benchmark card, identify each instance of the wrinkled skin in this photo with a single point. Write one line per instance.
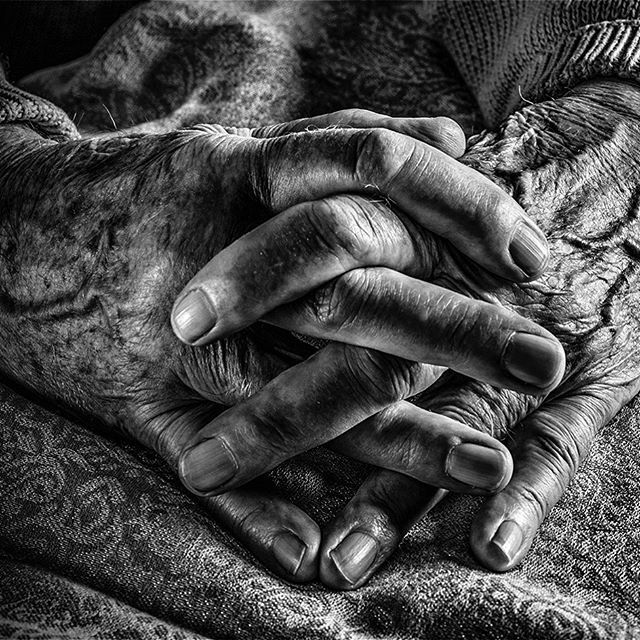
(71, 325)
(571, 164)
(566, 163)
(99, 235)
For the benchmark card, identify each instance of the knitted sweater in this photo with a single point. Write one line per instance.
(509, 52)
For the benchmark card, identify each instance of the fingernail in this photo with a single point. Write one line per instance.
(508, 538)
(208, 465)
(354, 555)
(289, 551)
(193, 316)
(477, 466)
(533, 359)
(529, 248)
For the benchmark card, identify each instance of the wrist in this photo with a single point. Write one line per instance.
(602, 114)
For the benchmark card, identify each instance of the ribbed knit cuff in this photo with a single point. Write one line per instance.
(601, 50)
(20, 107)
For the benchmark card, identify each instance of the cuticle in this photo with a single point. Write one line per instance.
(447, 462)
(302, 542)
(503, 355)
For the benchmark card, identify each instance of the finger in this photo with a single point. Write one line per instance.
(370, 528)
(548, 448)
(442, 133)
(431, 448)
(278, 533)
(388, 311)
(305, 406)
(435, 190)
(396, 502)
(480, 406)
(292, 254)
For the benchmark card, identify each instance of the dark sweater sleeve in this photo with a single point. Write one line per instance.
(511, 52)
(20, 107)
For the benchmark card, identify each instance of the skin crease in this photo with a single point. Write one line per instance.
(555, 158)
(87, 322)
(62, 308)
(99, 236)
(567, 164)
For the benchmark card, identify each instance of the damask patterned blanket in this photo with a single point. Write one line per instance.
(99, 539)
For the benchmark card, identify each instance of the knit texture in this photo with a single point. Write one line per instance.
(20, 107)
(531, 50)
(99, 539)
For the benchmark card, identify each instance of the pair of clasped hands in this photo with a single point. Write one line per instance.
(368, 221)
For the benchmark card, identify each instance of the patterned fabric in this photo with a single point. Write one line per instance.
(97, 537)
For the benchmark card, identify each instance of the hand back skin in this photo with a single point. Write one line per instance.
(87, 281)
(568, 163)
(98, 238)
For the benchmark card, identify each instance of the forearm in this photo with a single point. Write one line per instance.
(532, 50)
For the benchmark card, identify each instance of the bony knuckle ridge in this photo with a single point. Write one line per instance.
(272, 433)
(384, 378)
(251, 521)
(324, 305)
(340, 225)
(559, 447)
(340, 302)
(378, 156)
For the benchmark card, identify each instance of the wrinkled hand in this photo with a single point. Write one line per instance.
(97, 236)
(563, 161)
(571, 164)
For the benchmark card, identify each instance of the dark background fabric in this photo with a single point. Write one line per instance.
(98, 538)
(38, 34)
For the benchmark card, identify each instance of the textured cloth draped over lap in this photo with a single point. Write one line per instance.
(98, 539)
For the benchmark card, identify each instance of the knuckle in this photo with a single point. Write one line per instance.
(355, 117)
(249, 521)
(536, 499)
(382, 378)
(417, 448)
(344, 227)
(322, 304)
(491, 204)
(410, 450)
(479, 405)
(463, 325)
(208, 147)
(271, 433)
(261, 172)
(388, 516)
(381, 155)
(339, 303)
(557, 447)
(476, 415)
